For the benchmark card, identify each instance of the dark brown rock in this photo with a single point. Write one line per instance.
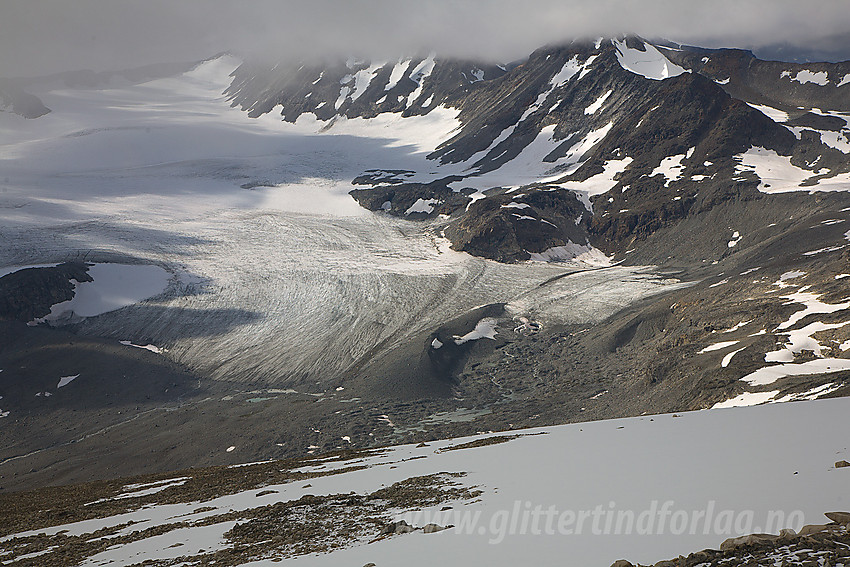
(842, 518)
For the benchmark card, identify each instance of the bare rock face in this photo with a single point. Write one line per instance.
(509, 227)
(745, 76)
(30, 293)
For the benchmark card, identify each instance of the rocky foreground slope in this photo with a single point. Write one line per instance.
(541, 496)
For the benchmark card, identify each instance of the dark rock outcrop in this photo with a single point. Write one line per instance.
(20, 101)
(30, 293)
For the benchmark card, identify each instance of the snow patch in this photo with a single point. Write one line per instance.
(805, 76)
(778, 175)
(65, 380)
(650, 63)
(770, 374)
(398, 72)
(728, 358)
(718, 346)
(812, 394)
(671, 167)
(484, 329)
(152, 348)
(736, 238)
(747, 399)
(363, 78)
(515, 205)
(529, 167)
(772, 113)
(836, 140)
(812, 304)
(567, 72)
(422, 206)
(418, 76)
(596, 105)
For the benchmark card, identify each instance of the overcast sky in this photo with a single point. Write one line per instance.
(44, 36)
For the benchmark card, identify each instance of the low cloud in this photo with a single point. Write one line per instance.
(44, 36)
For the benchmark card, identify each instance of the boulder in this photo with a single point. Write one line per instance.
(752, 539)
(400, 527)
(812, 529)
(842, 518)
